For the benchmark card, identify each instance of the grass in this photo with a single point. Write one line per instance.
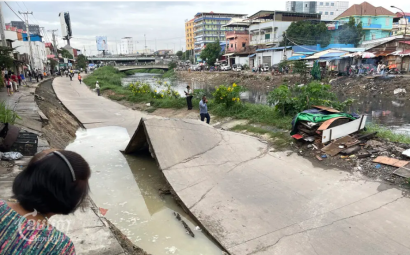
(147, 70)
(7, 114)
(388, 134)
(280, 139)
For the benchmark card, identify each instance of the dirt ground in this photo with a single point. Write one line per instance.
(62, 125)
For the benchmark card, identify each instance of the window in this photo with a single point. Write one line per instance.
(326, 13)
(231, 45)
(369, 21)
(332, 4)
(305, 5)
(243, 45)
(267, 36)
(321, 12)
(331, 13)
(321, 3)
(327, 3)
(387, 22)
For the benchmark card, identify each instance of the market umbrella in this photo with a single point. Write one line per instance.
(316, 71)
(368, 55)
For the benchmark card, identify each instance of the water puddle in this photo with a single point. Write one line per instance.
(127, 185)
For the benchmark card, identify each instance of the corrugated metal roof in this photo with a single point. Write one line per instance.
(333, 54)
(365, 9)
(297, 57)
(274, 48)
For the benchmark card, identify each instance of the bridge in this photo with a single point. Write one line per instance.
(136, 59)
(126, 68)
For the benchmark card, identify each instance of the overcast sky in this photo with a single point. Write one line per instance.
(163, 21)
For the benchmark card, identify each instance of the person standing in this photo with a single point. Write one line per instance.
(71, 76)
(189, 96)
(30, 74)
(23, 79)
(203, 110)
(14, 81)
(7, 84)
(79, 77)
(97, 88)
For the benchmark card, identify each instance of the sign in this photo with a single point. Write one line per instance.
(102, 43)
(65, 25)
(62, 65)
(70, 64)
(66, 60)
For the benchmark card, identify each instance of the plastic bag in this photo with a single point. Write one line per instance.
(11, 155)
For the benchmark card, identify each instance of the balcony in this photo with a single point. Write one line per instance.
(372, 26)
(264, 41)
(236, 32)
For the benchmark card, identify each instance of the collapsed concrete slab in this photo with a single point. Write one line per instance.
(256, 201)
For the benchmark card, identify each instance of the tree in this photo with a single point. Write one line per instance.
(65, 53)
(82, 61)
(351, 33)
(6, 61)
(306, 33)
(179, 54)
(53, 64)
(211, 52)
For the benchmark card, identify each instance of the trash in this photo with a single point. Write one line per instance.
(367, 137)
(363, 154)
(324, 156)
(309, 139)
(197, 228)
(390, 161)
(148, 104)
(325, 108)
(403, 172)
(378, 166)
(319, 158)
(341, 146)
(352, 156)
(351, 150)
(309, 146)
(103, 211)
(11, 155)
(333, 122)
(344, 157)
(333, 149)
(373, 144)
(406, 153)
(398, 91)
(343, 130)
(314, 146)
(297, 136)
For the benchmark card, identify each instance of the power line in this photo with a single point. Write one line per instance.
(13, 11)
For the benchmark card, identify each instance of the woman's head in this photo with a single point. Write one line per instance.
(54, 182)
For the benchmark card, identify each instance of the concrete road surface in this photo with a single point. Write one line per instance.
(254, 200)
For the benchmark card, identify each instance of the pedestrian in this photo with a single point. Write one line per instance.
(189, 96)
(53, 183)
(14, 81)
(71, 76)
(379, 66)
(203, 110)
(66, 73)
(19, 80)
(7, 84)
(79, 77)
(97, 88)
(30, 75)
(382, 69)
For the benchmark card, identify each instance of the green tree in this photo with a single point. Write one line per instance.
(53, 64)
(351, 33)
(306, 33)
(65, 53)
(179, 54)
(82, 61)
(6, 59)
(211, 52)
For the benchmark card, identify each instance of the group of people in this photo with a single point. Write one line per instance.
(203, 107)
(13, 81)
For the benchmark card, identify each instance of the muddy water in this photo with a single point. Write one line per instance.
(381, 110)
(127, 185)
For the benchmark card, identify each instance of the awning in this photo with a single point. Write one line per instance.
(274, 48)
(333, 54)
(50, 56)
(382, 53)
(329, 59)
(406, 42)
(297, 57)
(251, 56)
(229, 54)
(305, 52)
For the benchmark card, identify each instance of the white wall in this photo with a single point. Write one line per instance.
(242, 60)
(338, 8)
(39, 52)
(281, 26)
(276, 56)
(126, 46)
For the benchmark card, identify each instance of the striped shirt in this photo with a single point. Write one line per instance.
(18, 236)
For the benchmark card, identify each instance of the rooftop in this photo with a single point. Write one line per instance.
(263, 14)
(221, 13)
(365, 9)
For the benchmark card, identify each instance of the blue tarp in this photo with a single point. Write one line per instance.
(333, 54)
(297, 57)
(305, 52)
(251, 56)
(274, 48)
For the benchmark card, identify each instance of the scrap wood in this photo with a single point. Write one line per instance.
(403, 172)
(329, 109)
(328, 122)
(390, 161)
(333, 148)
(319, 158)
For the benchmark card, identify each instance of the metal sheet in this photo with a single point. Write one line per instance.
(325, 108)
(333, 148)
(390, 161)
(325, 125)
(403, 172)
(343, 130)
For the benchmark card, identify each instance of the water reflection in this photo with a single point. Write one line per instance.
(128, 187)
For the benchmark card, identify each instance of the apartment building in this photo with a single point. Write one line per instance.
(126, 46)
(189, 34)
(208, 28)
(329, 10)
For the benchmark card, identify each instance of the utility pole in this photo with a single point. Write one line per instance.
(2, 28)
(28, 37)
(145, 38)
(54, 39)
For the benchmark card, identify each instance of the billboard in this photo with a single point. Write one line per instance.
(102, 43)
(65, 25)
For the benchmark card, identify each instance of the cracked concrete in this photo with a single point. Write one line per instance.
(258, 202)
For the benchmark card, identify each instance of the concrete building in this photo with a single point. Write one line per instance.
(208, 28)
(328, 9)
(189, 34)
(272, 24)
(34, 29)
(126, 46)
(377, 22)
(401, 23)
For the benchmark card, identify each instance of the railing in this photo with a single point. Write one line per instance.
(236, 32)
(263, 41)
(369, 26)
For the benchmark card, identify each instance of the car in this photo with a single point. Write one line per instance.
(237, 67)
(225, 68)
(265, 68)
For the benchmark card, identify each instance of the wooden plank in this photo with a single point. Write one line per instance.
(343, 130)
(319, 158)
(403, 172)
(325, 108)
(333, 148)
(390, 161)
(328, 122)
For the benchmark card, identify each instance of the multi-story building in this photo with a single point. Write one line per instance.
(272, 24)
(401, 23)
(126, 46)
(34, 29)
(189, 34)
(208, 28)
(377, 22)
(328, 9)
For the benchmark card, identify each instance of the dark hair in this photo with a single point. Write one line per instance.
(47, 185)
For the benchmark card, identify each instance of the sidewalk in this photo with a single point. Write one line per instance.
(89, 233)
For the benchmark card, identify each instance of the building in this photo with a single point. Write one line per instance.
(208, 28)
(272, 24)
(126, 46)
(189, 34)
(34, 29)
(377, 22)
(401, 23)
(328, 9)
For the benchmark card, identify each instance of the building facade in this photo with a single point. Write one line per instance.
(126, 46)
(377, 22)
(401, 23)
(328, 9)
(34, 29)
(208, 28)
(189, 34)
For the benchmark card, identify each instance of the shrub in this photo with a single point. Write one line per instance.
(227, 95)
(7, 115)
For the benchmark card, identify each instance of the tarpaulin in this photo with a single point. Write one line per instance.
(316, 116)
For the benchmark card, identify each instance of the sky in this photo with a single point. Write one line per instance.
(162, 23)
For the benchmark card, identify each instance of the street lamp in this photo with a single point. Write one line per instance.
(404, 16)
